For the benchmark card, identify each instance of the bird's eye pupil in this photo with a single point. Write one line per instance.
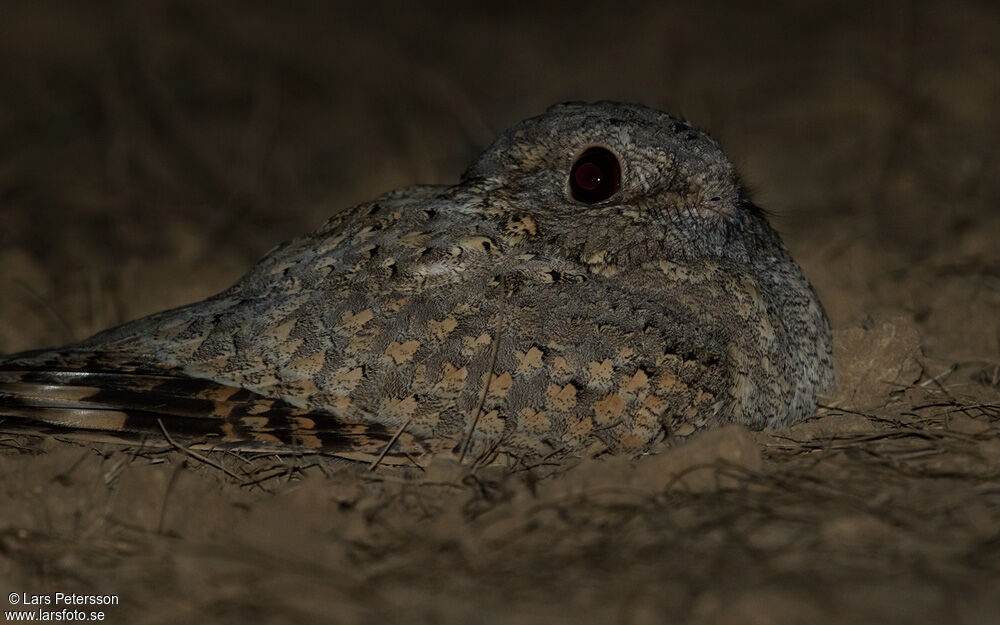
(588, 176)
(596, 176)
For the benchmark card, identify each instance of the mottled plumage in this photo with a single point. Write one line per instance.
(498, 311)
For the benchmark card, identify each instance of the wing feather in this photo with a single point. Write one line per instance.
(107, 397)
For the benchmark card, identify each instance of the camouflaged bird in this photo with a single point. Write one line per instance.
(597, 279)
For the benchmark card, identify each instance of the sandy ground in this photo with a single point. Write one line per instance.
(152, 151)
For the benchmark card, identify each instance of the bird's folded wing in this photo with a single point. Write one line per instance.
(107, 397)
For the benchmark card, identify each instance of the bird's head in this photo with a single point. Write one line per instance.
(622, 184)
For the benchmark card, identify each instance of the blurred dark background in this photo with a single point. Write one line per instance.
(151, 151)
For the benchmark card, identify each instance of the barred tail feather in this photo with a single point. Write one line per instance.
(108, 398)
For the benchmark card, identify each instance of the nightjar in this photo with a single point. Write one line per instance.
(598, 279)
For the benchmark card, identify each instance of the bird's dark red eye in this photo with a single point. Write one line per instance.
(595, 176)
